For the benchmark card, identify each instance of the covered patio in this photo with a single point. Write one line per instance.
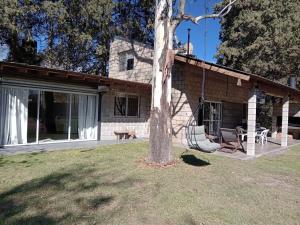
(273, 146)
(238, 95)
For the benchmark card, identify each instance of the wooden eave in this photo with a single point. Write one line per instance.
(211, 67)
(264, 84)
(47, 74)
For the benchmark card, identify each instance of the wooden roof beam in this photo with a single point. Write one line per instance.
(213, 68)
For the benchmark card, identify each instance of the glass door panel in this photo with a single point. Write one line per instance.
(32, 116)
(54, 116)
(74, 118)
(212, 117)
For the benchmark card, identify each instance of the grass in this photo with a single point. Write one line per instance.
(110, 185)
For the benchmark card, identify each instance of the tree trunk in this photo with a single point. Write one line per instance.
(160, 118)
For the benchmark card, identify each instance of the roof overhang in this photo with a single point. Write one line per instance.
(268, 86)
(55, 75)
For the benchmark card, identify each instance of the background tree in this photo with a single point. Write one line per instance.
(168, 15)
(18, 22)
(134, 19)
(77, 34)
(262, 37)
(71, 34)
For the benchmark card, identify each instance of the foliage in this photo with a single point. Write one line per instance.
(135, 19)
(262, 37)
(17, 26)
(71, 34)
(77, 34)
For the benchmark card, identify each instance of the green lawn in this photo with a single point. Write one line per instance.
(111, 185)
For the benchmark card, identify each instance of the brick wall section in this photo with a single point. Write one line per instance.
(232, 114)
(110, 123)
(143, 55)
(186, 91)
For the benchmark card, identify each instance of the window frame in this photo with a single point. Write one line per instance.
(211, 120)
(127, 95)
(123, 60)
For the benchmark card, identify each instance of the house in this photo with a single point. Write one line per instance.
(53, 105)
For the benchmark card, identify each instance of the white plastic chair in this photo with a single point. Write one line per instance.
(263, 136)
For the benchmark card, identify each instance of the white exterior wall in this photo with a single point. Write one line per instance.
(111, 123)
(143, 60)
(285, 122)
(252, 103)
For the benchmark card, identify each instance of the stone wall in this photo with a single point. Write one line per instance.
(186, 91)
(111, 123)
(143, 54)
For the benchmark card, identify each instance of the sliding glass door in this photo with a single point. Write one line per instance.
(40, 116)
(33, 99)
(54, 116)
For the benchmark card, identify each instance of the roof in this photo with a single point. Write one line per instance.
(237, 74)
(46, 74)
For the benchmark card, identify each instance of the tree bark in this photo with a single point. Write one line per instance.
(160, 118)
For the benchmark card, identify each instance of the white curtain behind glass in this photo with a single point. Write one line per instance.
(14, 116)
(87, 117)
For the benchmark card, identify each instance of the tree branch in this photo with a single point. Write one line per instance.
(182, 16)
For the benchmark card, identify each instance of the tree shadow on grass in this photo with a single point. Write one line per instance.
(194, 161)
(72, 196)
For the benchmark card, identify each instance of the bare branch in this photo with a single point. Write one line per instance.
(220, 14)
(182, 16)
(181, 7)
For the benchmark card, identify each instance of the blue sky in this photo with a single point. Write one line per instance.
(193, 7)
(196, 7)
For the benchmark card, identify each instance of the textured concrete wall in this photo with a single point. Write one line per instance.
(111, 123)
(187, 85)
(143, 55)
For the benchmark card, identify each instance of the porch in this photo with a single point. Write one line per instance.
(233, 99)
(273, 146)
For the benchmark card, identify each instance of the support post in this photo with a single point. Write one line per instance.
(274, 126)
(285, 122)
(251, 123)
(99, 116)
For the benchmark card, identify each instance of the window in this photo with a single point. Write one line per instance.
(211, 117)
(132, 105)
(126, 61)
(120, 106)
(126, 105)
(130, 63)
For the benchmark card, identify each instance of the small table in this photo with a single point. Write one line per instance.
(125, 134)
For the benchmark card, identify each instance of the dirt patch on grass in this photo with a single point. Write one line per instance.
(146, 164)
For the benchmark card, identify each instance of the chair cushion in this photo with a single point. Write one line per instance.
(199, 129)
(197, 133)
(206, 145)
